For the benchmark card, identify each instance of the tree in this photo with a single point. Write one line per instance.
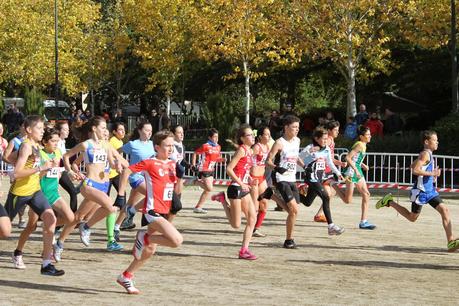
(237, 31)
(33, 102)
(352, 34)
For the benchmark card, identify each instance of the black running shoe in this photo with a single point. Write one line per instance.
(51, 270)
(290, 244)
(267, 194)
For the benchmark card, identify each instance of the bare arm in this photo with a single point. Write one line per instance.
(230, 168)
(8, 155)
(423, 159)
(277, 147)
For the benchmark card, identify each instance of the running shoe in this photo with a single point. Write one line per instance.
(51, 270)
(366, 225)
(139, 244)
(290, 244)
(320, 218)
(116, 235)
(384, 202)
(247, 255)
(22, 224)
(453, 245)
(335, 230)
(127, 284)
(85, 234)
(18, 262)
(220, 197)
(278, 208)
(257, 233)
(113, 246)
(199, 210)
(267, 194)
(57, 252)
(127, 224)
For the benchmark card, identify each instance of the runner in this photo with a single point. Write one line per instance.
(181, 165)
(260, 153)
(329, 181)
(10, 155)
(160, 179)
(49, 183)
(423, 192)
(317, 158)
(239, 190)
(5, 224)
(96, 153)
(65, 181)
(139, 148)
(355, 177)
(209, 156)
(116, 141)
(26, 191)
(287, 147)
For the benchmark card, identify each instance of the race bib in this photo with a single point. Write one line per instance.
(53, 172)
(290, 166)
(100, 156)
(320, 165)
(246, 177)
(212, 165)
(167, 195)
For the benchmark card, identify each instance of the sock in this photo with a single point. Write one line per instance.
(363, 221)
(146, 240)
(260, 217)
(331, 225)
(110, 224)
(117, 227)
(60, 243)
(46, 262)
(127, 274)
(132, 210)
(17, 252)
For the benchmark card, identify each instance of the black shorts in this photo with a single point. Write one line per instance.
(434, 202)
(176, 204)
(235, 192)
(36, 201)
(288, 191)
(151, 217)
(3, 212)
(205, 174)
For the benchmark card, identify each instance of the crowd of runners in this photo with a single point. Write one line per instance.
(261, 169)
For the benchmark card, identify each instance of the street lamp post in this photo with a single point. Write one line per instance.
(56, 61)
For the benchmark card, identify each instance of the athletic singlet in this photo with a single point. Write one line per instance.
(332, 152)
(259, 159)
(357, 159)
(51, 179)
(243, 166)
(317, 162)
(288, 158)
(426, 183)
(93, 155)
(160, 180)
(209, 155)
(179, 152)
(116, 144)
(27, 186)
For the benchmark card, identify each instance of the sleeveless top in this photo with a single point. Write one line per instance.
(27, 186)
(288, 158)
(243, 166)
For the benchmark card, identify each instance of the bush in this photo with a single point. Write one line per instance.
(447, 129)
(33, 102)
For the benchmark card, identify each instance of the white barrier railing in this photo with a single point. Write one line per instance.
(384, 168)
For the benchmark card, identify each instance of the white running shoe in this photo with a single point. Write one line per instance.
(335, 230)
(199, 210)
(139, 244)
(57, 252)
(257, 233)
(85, 234)
(18, 262)
(127, 284)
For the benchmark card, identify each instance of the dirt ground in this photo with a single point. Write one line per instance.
(398, 263)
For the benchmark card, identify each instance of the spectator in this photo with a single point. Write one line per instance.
(393, 125)
(329, 117)
(375, 125)
(13, 119)
(119, 117)
(274, 124)
(362, 116)
(106, 115)
(350, 130)
(154, 120)
(308, 126)
(164, 121)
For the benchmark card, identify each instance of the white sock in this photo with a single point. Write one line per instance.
(117, 227)
(46, 262)
(331, 225)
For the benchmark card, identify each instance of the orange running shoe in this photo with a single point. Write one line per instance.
(320, 218)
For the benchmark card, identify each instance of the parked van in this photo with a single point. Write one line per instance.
(61, 113)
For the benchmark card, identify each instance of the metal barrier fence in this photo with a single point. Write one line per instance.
(384, 168)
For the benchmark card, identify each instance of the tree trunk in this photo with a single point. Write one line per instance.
(168, 100)
(454, 83)
(351, 109)
(247, 92)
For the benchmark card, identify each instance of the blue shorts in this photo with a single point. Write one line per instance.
(135, 180)
(420, 197)
(99, 186)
